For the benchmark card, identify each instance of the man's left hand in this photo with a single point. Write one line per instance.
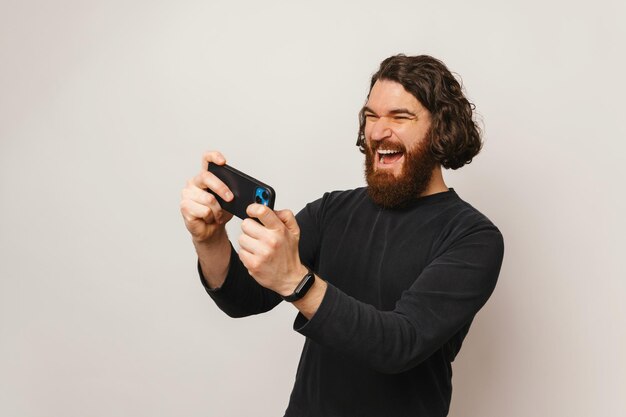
(270, 250)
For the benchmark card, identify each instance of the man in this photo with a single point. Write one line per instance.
(387, 278)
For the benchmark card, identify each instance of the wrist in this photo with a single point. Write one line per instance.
(216, 239)
(310, 303)
(214, 260)
(299, 283)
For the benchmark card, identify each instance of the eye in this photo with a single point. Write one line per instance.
(371, 117)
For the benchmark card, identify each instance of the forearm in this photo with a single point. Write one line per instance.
(309, 304)
(441, 303)
(387, 341)
(214, 259)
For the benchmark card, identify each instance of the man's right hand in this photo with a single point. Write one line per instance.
(204, 217)
(206, 220)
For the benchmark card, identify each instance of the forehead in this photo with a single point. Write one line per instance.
(387, 95)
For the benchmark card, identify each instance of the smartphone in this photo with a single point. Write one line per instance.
(246, 190)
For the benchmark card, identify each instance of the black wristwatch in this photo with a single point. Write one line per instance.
(303, 287)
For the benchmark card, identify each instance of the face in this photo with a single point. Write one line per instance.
(398, 164)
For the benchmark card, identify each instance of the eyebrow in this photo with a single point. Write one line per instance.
(392, 112)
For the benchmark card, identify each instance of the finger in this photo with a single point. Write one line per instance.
(249, 261)
(244, 256)
(206, 179)
(265, 215)
(193, 211)
(289, 220)
(212, 157)
(253, 229)
(250, 244)
(200, 196)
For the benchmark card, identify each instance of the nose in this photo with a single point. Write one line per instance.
(380, 129)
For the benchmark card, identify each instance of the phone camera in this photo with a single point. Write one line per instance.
(262, 196)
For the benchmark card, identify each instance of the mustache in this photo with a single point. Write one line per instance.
(386, 144)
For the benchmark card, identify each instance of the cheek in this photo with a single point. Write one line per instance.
(411, 137)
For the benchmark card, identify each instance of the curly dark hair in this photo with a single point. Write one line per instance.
(455, 136)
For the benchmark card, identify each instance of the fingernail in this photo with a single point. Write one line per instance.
(229, 195)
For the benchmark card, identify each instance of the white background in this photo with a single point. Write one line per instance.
(106, 108)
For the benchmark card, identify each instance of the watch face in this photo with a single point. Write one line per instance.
(303, 283)
(302, 288)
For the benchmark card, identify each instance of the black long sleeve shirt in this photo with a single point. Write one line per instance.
(403, 288)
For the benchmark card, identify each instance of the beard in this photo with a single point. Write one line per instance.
(389, 191)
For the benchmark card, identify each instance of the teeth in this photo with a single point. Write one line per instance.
(386, 151)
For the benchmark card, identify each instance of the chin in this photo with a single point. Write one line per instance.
(402, 183)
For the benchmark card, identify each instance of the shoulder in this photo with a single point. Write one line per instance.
(333, 201)
(344, 196)
(465, 213)
(461, 221)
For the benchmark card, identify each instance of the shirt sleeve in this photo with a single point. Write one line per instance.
(441, 302)
(240, 295)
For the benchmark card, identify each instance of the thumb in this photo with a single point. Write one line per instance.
(289, 220)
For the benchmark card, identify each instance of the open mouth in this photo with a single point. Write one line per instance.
(388, 156)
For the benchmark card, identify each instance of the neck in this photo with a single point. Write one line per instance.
(436, 184)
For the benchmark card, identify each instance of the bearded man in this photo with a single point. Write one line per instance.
(387, 278)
